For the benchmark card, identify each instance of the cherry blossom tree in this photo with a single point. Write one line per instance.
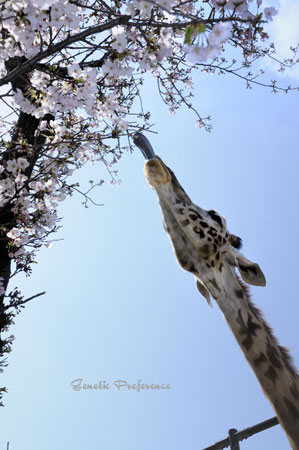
(71, 84)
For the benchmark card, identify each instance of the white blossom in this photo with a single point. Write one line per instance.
(220, 33)
(270, 12)
(22, 163)
(14, 233)
(12, 165)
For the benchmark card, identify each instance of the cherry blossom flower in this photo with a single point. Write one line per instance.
(14, 233)
(12, 165)
(167, 4)
(220, 33)
(144, 7)
(22, 163)
(120, 41)
(201, 53)
(270, 12)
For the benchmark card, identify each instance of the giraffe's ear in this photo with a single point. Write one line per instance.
(250, 272)
(203, 290)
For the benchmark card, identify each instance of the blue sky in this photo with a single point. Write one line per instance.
(119, 307)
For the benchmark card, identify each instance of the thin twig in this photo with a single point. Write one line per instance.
(24, 301)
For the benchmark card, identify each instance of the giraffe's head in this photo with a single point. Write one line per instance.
(200, 238)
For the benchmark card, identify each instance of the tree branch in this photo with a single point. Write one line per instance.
(52, 49)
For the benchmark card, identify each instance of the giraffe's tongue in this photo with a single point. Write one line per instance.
(144, 145)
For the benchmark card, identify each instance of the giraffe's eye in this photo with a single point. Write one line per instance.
(215, 217)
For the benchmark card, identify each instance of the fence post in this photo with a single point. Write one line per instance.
(233, 439)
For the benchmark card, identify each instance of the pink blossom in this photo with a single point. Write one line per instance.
(270, 12)
(13, 233)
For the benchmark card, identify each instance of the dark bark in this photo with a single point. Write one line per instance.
(25, 128)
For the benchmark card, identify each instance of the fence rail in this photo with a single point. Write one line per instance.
(235, 436)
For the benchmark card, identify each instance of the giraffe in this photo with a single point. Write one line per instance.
(203, 246)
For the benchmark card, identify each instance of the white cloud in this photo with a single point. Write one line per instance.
(284, 32)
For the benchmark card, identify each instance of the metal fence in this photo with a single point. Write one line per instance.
(235, 436)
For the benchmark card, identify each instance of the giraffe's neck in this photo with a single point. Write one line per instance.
(269, 361)
(204, 247)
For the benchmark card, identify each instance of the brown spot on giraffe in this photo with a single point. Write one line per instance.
(273, 355)
(293, 410)
(260, 360)
(192, 268)
(271, 374)
(184, 223)
(214, 283)
(198, 231)
(247, 342)
(203, 224)
(294, 390)
(212, 232)
(247, 329)
(195, 214)
(205, 249)
(252, 326)
(239, 293)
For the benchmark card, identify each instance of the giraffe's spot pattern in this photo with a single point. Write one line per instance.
(214, 283)
(273, 355)
(212, 231)
(183, 263)
(184, 223)
(239, 293)
(248, 269)
(195, 214)
(292, 409)
(271, 374)
(247, 342)
(197, 230)
(247, 329)
(204, 224)
(294, 391)
(260, 359)
(192, 268)
(205, 249)
(215, 217)
(252, 326)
